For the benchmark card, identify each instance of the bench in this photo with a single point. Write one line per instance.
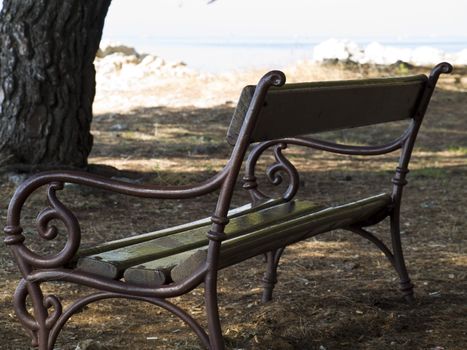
(157, 266)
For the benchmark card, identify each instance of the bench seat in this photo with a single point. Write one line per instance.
(173, 254)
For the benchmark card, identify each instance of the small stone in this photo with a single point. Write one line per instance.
(348, 266)
(428, 205)
(119, 127)
(90, 344)
(17, 179)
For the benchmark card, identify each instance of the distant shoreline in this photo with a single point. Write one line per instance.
(127, 79)
(217, 55)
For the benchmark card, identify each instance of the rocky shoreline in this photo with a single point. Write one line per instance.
(127, 79)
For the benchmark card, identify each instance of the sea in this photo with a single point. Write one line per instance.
(220, 54)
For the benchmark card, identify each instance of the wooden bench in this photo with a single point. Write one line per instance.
(157, 266)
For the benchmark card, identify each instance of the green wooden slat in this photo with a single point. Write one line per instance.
(99, 248)
(260, 241)
(156, 273)
(266, 238)
(241, 248)
(112, 263)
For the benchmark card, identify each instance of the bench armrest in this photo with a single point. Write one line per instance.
(100, 182)
(58, 211)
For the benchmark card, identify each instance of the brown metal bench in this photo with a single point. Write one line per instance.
(157, 266)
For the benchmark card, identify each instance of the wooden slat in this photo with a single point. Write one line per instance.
(205, 222)
(299, 109)
(185, 268)
(268, 238)
(298, 229)
(112, 263)
(158, 272)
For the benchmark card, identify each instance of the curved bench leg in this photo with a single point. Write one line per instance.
(38, 326)
(270, 277)
(406, 285)
(212, 310)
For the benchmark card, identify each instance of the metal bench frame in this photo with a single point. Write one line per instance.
(48, 316)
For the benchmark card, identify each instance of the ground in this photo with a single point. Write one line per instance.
(335, 291)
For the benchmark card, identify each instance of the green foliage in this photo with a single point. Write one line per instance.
(402, 69)
(458, 149)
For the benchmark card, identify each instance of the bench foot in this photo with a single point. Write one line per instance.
(406, 287)
(270, 277)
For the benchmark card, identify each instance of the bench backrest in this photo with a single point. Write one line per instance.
(304, 108)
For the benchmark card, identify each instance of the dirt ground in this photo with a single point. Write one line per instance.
(335, 291)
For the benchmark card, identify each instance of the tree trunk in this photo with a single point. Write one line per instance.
(47, 80)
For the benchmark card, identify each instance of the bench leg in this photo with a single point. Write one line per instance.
(270, 277)
(38, 324)
(212, 310)
(406, 285)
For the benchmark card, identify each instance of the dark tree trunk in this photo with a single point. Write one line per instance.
(47, 80)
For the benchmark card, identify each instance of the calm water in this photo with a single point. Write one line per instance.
(217, 55)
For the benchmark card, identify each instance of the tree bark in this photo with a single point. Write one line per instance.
(47, 80)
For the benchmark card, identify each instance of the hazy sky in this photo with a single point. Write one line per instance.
(310, 18)
(316, 18)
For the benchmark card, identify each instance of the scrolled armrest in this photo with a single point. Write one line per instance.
(57, 211)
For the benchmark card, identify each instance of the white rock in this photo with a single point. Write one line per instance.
(341, 50)
(376, 53)
(460, 57)
(380, 54)
(426, 55)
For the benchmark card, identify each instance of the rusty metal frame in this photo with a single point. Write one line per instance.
(48, 315)
(405, 143)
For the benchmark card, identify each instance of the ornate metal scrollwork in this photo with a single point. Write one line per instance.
(283, 165)
(55, 320)
(274, 171)
(30, 322)
(23, 314)
(49, 302)
(55, 211)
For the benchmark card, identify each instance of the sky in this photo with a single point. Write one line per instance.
(243, 33)
(395, 19)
